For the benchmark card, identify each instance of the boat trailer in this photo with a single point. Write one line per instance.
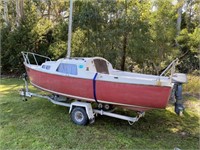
(81, 112)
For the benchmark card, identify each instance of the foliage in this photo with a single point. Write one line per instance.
(27, 36)
(189, 43)
(189, 38)
(163, 32)
(127, 33)
(193, 85)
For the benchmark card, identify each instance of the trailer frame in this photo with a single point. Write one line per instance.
(89, 111)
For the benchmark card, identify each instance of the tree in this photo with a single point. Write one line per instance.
(189, 38)
(163, 32)
(5, 8)
(127, 33)
(179, 18)
(19, 11)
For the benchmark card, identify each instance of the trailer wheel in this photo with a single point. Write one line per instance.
(79, 116)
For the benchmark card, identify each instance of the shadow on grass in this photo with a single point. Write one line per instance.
(9, 85)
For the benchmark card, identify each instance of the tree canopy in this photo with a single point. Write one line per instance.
(133, 35)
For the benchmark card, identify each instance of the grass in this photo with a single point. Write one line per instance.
(193, 85)
(39, 124)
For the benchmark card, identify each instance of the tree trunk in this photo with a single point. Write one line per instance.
(124, 52)
(19, 11)
(5, 6)
(49, 9)
(179, 19)
(156, 68)
(21, 7)
(125, 36)
(189, 6)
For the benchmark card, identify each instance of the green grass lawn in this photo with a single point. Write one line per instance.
(39, 124)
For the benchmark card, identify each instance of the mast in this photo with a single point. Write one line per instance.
(70, 30)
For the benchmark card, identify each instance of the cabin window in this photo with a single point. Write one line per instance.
(101, 66)
(67, 69)
(47, 67)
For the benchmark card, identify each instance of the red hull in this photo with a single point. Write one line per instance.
(131, 96)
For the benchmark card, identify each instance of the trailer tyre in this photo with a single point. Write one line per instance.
(79, 116)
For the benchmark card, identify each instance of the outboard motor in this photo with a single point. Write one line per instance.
(179, 107)
(178, 79)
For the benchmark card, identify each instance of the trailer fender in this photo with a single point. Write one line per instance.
(85, 105)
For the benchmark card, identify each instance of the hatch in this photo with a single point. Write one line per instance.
(101, 66)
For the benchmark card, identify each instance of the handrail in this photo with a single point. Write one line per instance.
(172, 66)
(26, 57)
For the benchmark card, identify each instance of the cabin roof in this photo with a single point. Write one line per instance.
(92, 64)
(78, 60)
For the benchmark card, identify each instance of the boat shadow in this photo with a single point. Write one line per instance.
(159, 121)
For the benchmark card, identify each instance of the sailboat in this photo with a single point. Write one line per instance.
(94, 80)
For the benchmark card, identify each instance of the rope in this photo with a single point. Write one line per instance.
(94, 87)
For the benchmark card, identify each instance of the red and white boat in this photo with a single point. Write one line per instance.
(94, 80)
